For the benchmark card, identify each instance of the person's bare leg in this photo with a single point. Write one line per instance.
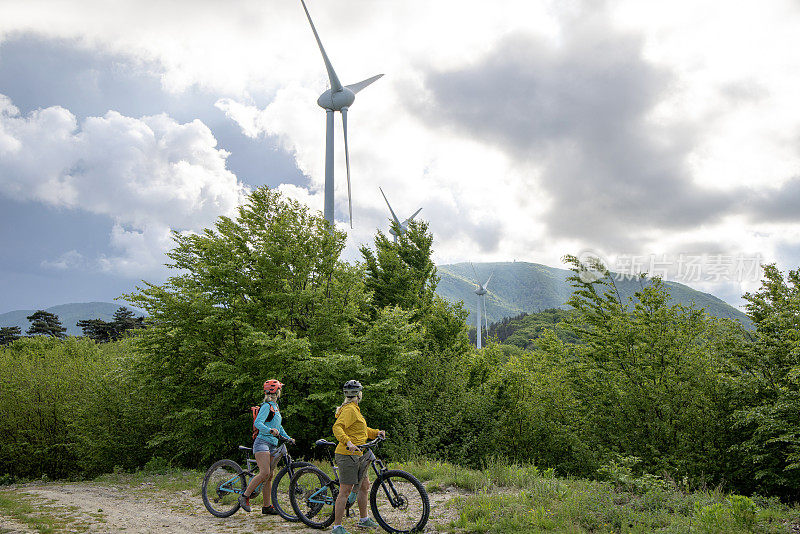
(267, 487)
(363, 492)
(263, 461)
(341, 503)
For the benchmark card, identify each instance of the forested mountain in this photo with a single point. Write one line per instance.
(516, 287)
(521, 287)
(68, 314)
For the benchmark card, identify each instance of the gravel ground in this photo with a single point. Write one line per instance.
(94, 507)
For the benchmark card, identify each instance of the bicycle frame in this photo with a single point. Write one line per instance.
(377, 466)
(248, 472)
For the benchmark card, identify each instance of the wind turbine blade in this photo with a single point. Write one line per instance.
(336, 85)
(487, 281)
(347, 162)
(412, 217)
(475, 272)
(390, 206)
(356, 87)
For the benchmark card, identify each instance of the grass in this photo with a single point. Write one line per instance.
(168, 479)
(438, 476)
(44, 519)
(506, 498)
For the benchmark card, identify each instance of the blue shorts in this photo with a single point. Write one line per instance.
(260, 445)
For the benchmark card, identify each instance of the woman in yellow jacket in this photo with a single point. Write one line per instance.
(351, 430)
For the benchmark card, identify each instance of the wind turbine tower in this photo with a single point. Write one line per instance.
(402, 225)
(481, 292)
(337, 98)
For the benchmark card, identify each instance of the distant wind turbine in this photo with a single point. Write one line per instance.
(337, 98)
(402, 225)
(481, 292)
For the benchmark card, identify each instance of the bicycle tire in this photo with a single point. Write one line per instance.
(306, 482)
(226, 481)
(412, 507)
(284, 505)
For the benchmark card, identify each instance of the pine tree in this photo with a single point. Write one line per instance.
(97, 329)
(9, 333)
(124, 320)
(45, 323)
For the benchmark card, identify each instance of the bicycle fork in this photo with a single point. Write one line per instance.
(395, 499)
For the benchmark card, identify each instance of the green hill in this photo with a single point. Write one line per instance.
(518, 287)
(68, 314)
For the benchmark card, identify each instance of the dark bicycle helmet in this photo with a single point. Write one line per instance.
(351, 388)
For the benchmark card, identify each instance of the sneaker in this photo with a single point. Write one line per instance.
(367, 522)
(269, 510)
(339, 530)
(244, 502)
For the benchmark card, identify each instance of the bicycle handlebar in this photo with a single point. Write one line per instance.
(371, 444)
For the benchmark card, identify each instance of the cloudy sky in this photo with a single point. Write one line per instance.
(661, 136)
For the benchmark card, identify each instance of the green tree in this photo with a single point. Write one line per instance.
(46, 324)
(261, 295)
(97, 329)
(771, 378)
(649, 375)
(105, 331)
(124, 320)
(9, 334)
(402, 273)
(430, 340)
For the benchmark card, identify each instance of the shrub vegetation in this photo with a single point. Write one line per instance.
(265, 295)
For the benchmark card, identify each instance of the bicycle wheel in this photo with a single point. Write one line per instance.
(280, 490)
(399, 502)
(222, 484)
(313, 495)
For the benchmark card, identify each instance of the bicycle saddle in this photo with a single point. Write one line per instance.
(320, 442)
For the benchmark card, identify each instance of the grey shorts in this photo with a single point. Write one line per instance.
(352, 469)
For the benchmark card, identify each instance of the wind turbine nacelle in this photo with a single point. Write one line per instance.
(480, 292)
(337, 100)
(403, 230)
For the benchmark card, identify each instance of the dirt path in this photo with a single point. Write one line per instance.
(98, 508)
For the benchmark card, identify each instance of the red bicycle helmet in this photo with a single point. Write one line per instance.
(272, 386)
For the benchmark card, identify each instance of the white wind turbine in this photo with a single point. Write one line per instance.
(337, 98)
(481, 292)
(402, 225)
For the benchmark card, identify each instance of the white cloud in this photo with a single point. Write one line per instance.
(69, 260)
(735, 81)
(149, 175)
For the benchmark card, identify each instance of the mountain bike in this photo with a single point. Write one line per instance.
(398, 500)
(226, 480)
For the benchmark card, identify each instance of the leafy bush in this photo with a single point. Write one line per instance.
(736, 514)
(619, 472)
(68, 408)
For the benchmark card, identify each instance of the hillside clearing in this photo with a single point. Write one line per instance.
(138, 507)
(498, 499)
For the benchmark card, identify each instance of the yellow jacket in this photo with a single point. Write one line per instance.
(351, 426)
